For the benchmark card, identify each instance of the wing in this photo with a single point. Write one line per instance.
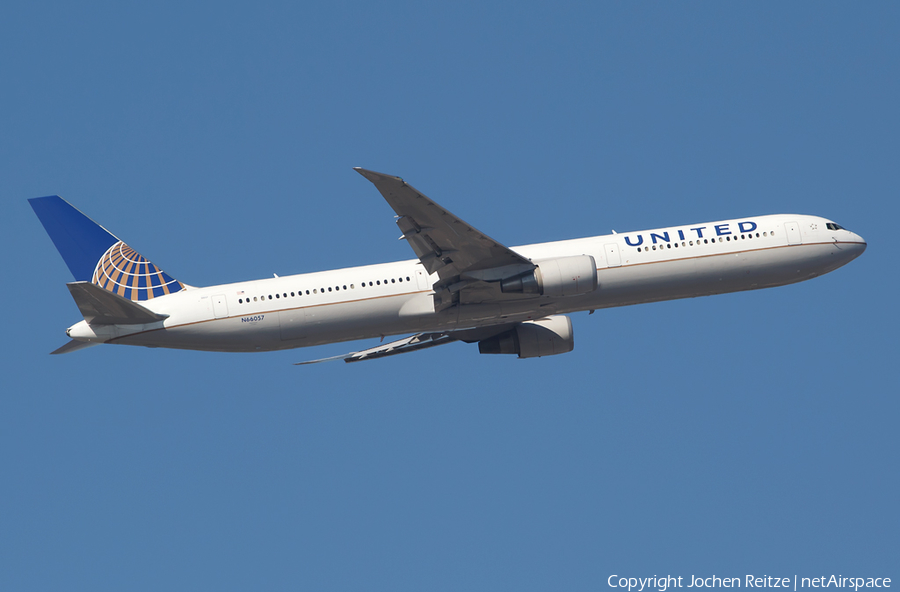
(401, 346)
(459, 253)
(417, 342)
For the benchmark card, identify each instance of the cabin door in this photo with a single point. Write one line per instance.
(793, 233)
(612, 255)
(220, 307)
(421, 280)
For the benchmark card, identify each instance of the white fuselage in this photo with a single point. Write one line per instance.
(396, 298)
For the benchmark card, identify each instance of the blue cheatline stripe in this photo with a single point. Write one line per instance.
(79, 240)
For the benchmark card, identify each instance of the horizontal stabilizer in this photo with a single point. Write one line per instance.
(101, 307)
(73, 346)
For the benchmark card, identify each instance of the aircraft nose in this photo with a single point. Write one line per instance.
(855, 246)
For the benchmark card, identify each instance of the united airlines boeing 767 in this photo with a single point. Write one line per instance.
(463, 286)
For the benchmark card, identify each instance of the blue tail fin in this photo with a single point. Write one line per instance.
(94, 255)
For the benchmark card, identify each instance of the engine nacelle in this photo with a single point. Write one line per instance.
(533, 339)
(564, 276)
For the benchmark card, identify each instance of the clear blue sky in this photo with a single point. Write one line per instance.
(750, 433)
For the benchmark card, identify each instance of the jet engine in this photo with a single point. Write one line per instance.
(564, 276)
(533, 339)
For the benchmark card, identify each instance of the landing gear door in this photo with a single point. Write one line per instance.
(613, 259)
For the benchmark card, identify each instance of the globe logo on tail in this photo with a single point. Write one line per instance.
(125, 272)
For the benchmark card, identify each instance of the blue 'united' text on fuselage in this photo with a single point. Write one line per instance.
(720, 230)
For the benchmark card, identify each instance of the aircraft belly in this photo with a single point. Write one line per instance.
(228, 334)
(363, 319)
(301, 327)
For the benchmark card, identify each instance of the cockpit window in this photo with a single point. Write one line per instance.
(833, 226)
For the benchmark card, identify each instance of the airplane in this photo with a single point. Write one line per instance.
(463, 285)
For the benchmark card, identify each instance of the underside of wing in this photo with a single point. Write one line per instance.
(401, 346)
(417, 342)
(457, 252)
